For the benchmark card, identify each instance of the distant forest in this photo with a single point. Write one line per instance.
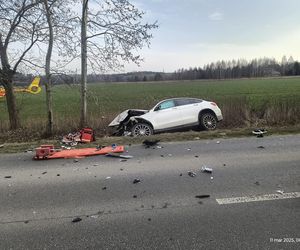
(241, 68)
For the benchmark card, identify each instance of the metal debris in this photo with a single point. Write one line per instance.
(77, 219)
(107, 178)
(218, 142)
(1, 145)
(279, 191)
(135, 181)
(191, 174)
(202, 196)
(206, 169)
(116, 155)
(259, 132)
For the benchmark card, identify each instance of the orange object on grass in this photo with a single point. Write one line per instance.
(48, 152)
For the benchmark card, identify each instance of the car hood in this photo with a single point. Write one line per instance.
(125, 115)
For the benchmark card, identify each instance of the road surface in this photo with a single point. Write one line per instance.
(253, 201)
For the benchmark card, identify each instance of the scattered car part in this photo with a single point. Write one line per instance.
(191, 174)
(77, 219)
(202, 196)
(135, 181)
(116, 155)
(206, 169)
(150, 143)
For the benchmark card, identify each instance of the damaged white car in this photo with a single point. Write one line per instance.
(167, 115)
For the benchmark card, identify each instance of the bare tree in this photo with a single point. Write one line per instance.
(83, 117)
(111, 33)
(49, 127)
(18, 25)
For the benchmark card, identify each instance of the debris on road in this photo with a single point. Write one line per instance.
(259, 132)
(257, 183)
(149, 219)
(202, 196)
(135, 181)
(206, 169)
(134, 196)
(107, 178)
(262, 147)
(85, 135)
(7, 176)
(58, 175)
(44, 172)
(116, 155)
(191, 174)
(218, 142)
(211, 177)
(104, 188)
(196, 156)
(180, 174)
(279, 191)
(150, 143)
(1, 145)
(77, 219)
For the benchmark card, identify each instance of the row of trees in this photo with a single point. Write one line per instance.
(46, 35)
(263, 67)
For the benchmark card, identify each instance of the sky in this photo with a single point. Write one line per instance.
(192, 33)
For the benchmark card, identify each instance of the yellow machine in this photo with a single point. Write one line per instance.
(33, 88)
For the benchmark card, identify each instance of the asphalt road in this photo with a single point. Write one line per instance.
(41, 198)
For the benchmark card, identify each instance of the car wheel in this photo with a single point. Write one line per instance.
(208, 121)
(141, 129)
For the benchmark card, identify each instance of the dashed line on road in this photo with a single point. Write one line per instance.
(253, 198)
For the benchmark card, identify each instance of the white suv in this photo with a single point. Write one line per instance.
(170, 114)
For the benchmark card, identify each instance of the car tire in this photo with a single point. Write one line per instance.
(141, 129)
(208, 121)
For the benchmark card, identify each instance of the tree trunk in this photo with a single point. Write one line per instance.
(83, 118)
(11, 105)
(49, 125)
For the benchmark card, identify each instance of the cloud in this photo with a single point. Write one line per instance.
(216, 16)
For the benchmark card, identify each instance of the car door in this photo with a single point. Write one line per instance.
(165, 115)
(188, 110)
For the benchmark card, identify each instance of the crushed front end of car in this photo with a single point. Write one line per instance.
(121, 125)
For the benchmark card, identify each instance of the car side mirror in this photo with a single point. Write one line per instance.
(157, 108)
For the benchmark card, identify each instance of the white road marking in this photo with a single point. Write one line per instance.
(265, 197)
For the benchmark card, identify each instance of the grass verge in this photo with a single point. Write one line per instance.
(15, 147)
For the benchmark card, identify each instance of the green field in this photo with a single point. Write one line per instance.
(244, 102)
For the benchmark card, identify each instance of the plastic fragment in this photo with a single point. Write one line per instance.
(206, 169)
(135, 181)
(77, 219)
(202, 196)
(191, 174)
(279, 191)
